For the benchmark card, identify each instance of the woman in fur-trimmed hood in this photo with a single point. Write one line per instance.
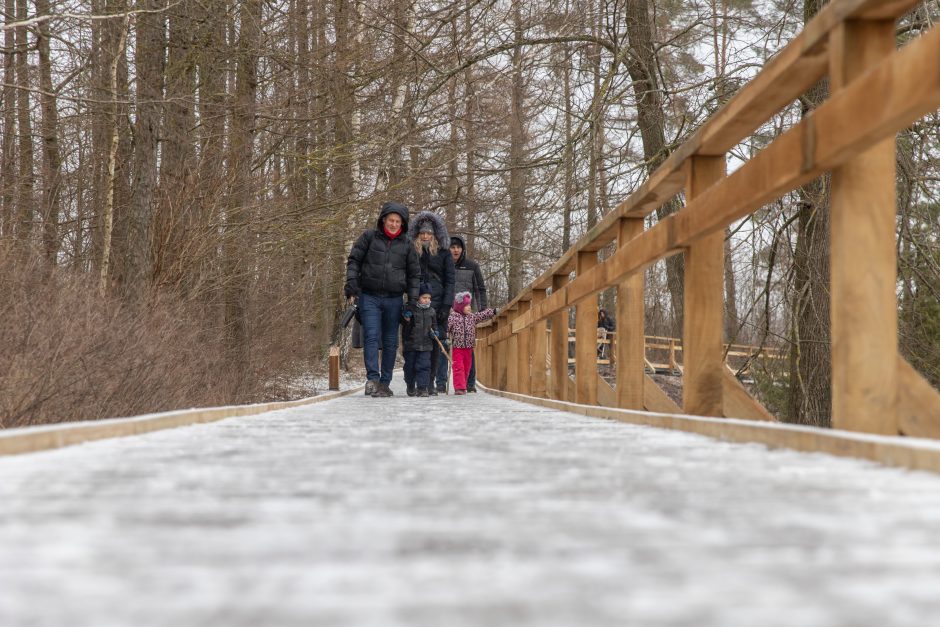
(428, 234)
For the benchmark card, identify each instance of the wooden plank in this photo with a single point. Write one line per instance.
(918, 403)
(630, 346)
(654, 399)
(863, 214)
(703, 357)
(539, 342)
(559, 343)
(737, 403)
(334, 368)
(45, 437)
(585, 348)
(512, 363)
(898, 451)
(606, 395)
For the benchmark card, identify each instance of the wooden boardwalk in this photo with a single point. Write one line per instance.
(459, 511)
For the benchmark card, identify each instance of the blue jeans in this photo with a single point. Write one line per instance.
(381, 316)
(418, 368)
(439, 360)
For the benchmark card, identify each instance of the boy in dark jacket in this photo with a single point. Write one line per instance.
(419, 328)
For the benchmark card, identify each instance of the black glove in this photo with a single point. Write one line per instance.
(351, 290)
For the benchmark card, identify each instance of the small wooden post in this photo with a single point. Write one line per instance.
(512, 357)
(334, 367)
(523, 376)
(500, 361)
(585, 343)
(482, 356)
(673, 365)
(863, 261)
(702, 357)
(539, 343)
(559, 378)
(630, 342)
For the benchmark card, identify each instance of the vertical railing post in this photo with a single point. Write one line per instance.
(704, 303)
(500, 360)
(523, 378)
(334, 367)
(482, 356)
(539, 343)
(559, 378)
(512, 356)
(585, 343)
(863, 261)
(630, 341)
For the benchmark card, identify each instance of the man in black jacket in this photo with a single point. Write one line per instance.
(382, 267)
(469, 279)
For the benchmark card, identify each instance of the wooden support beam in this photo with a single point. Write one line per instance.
(862, 254)
(918, 403)
(585, 345)
(654, 399)
(559, 345)
(630, 341)
(737, 403)
(539, 344)
(702, 346)
(512, 356)
(334, 368)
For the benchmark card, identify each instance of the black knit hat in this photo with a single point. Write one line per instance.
(424, 288)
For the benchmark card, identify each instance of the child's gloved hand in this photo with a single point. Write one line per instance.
(435, 333)
(407, 315)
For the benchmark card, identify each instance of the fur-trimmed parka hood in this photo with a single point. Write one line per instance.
(440, 229)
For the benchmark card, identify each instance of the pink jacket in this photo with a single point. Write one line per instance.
(463, 328)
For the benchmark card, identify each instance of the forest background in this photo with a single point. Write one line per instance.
(180, 180)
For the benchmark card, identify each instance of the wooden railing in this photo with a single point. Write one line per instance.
(876, 91)
(671, 348)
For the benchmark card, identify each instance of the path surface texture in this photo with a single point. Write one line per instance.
(459, 511)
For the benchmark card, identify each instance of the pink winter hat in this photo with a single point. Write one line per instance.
(461, 300)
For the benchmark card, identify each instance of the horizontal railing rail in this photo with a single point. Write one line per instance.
(875, 91)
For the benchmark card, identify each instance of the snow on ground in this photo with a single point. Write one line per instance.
(454, 511)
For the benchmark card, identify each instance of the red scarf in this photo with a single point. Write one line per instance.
(389, 233)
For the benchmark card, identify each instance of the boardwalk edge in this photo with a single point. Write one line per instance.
(46, 437)
(898, 451)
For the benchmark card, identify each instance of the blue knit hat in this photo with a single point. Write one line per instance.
(424, 288)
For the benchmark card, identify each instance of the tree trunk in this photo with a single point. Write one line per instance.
(517, 173)
(810, 395)
(149, 65)
(51, 162)
(568, 154)
(8, 182)
(471, 107)
(24, 196)
(642, 67)
(238, 247)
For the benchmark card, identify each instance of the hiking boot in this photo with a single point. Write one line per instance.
(423, 392)
(412, 390)
(442, 389)
(459, 392)
(471, 388)
(432, 391)
(370, 387)
(382, 391)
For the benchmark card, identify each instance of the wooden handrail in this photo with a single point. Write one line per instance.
(876, 91)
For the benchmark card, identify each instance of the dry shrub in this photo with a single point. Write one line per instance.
(68, 354)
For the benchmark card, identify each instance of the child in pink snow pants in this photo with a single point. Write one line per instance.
(462, 329)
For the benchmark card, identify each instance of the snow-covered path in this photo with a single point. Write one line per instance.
(478, 511)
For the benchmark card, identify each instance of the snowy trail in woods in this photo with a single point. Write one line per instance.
(479, 511)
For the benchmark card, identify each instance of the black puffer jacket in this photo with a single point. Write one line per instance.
(416, 333)
(436, 270)
(381, 266)
(470, 278)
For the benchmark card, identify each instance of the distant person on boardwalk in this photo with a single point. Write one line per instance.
(605, 325)
(418, 332)
(461, 326)
(429, 236)
(469, 279)
(382, 268)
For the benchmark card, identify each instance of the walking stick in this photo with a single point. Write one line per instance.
(450, 365)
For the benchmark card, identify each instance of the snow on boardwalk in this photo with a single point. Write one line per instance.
(485, 512)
